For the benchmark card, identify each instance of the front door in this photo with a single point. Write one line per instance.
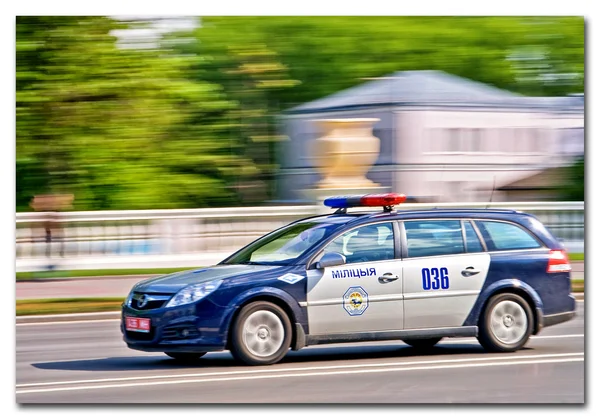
(363, 295)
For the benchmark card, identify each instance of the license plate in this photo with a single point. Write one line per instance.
(136, 324)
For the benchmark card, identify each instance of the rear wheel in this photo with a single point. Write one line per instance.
(422, 343)
(506, 324)
(261, 334)
(185, 356)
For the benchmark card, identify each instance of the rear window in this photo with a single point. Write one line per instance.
(506, 236)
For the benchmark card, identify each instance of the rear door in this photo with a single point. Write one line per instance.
(444, 268)
(363, 295)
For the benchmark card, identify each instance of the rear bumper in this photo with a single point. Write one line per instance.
(557, 318)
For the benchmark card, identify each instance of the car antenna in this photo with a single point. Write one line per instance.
(492, 194)
(441, 177)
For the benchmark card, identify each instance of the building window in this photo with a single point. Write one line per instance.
(454, 140)
(535, 140)
(476, 140)
(520, 144)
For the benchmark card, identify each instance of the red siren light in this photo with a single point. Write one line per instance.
(382, 200)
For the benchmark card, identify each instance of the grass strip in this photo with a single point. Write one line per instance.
(577, 285)
(68, 305)
(97, 272)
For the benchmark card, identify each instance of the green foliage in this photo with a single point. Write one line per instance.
(532, 56)
(572, 188)
(118, 128)
(192, 123)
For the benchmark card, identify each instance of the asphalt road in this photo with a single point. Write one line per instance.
(87, 362)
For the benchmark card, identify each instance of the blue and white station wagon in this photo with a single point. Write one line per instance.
(415, 275)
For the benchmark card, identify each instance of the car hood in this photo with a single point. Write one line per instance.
(174, 282)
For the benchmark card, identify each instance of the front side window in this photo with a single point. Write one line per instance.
(433, 238)
(365, 244)
(505, 236)
(283, 247)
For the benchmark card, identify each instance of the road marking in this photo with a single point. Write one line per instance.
(459, 340)
(310, 374)
(325, 367)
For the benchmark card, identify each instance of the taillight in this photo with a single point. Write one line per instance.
(558, 262)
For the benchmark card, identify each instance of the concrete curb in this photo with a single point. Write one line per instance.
(101, 315)
(114, 315)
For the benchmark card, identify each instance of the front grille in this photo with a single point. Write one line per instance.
(180, 331)
(151, 301)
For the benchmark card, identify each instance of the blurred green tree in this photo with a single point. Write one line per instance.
(573, 187)
(254, 79)
(118, 128)
(532, 56)
(192, 123)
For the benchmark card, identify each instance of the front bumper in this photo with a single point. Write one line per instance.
(196, 327)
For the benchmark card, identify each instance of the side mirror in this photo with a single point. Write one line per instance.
(331, 259)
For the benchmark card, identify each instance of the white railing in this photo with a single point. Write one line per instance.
(197, 237)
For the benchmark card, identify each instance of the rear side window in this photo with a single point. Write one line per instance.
(473, 243)
(433, 238)
(505, 236)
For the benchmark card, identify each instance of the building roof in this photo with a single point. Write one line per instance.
(428, 87)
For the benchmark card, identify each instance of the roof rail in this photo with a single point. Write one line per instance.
(498, 210)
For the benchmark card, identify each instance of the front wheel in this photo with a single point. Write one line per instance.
(506, 324)
(185, 356)
(261, 334)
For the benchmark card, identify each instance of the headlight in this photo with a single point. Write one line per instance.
(194, 293)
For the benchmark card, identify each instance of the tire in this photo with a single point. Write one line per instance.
(185, 356)
(422, 343)
(506, 323)
(261, 334)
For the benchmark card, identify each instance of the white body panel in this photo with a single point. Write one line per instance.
(438, 307)
(338, 304)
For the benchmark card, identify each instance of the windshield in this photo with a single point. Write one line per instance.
(282, 247)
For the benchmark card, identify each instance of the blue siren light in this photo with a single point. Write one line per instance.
(370, 200)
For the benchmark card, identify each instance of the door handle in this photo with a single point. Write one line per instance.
(470, 271)
(388, 277)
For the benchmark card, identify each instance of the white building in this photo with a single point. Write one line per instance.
(443, 138)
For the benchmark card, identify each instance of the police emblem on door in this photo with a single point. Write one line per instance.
(356, 301)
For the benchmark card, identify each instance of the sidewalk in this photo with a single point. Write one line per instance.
(115, 286)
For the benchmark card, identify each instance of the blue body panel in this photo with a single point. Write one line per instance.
(525, 271)
(212, 315)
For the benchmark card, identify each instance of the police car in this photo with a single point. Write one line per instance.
(414, 275)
